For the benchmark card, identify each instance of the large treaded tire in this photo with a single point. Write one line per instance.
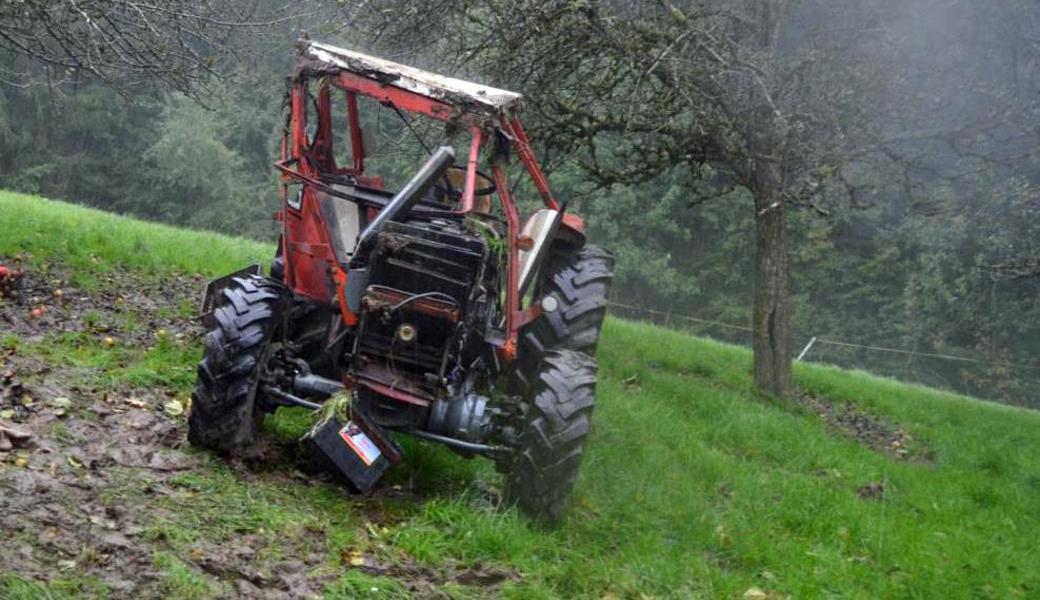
(557, 410)
(224, 413)
(580, 281)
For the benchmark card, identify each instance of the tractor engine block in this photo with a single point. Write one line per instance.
(425, 294)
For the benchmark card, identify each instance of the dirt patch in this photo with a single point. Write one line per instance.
(871, 432)
(60, 496)
(127, 308)
(874, 490)
(84, 468)
(425, 582)
(92, 471)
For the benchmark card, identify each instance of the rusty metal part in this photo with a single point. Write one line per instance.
(382, 380)
(379, 297)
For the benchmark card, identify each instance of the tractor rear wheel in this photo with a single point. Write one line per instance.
(580, 281)
(557, 410)
(225, 414)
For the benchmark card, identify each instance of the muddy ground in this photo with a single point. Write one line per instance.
(89, 467)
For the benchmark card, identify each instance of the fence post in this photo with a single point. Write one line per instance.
(806, 349)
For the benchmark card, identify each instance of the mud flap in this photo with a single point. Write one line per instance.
(357, 448)
(216, 287)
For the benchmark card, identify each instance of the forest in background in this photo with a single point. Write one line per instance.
(933, 250)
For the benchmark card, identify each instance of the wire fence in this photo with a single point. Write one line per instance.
(1009, 382)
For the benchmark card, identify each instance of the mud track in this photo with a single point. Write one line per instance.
(89, 467)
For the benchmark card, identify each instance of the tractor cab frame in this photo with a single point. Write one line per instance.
(317, 264)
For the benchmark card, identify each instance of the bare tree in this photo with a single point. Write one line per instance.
(175, 43)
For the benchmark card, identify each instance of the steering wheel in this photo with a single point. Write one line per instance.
(449, 187)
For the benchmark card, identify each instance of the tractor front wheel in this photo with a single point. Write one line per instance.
(224, 413)
(557, 410)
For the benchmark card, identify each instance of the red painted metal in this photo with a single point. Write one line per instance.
(379, 296)
(298, 120)
(357, 141)
(321, 147)
(508, 351)
(350, 319)
(309, 259)
(402, 99)
(523, 150)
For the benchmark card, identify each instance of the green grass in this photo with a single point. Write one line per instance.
(179, 580)
(693, 485)
(92, 241)
(64, 586)
(168, 363)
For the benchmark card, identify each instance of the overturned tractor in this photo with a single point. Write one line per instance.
(434, 308)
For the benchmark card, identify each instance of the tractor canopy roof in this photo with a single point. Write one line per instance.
(316, 58)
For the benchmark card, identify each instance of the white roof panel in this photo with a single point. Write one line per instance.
(451, 90)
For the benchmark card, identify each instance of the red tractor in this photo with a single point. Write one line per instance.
(437, 312)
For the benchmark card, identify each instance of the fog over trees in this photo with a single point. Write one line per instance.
(856, 171)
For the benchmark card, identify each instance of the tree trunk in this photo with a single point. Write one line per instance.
(772, 317)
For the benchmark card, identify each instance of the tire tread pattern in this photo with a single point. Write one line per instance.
(580, 281)
(223, 415)
(552, 442)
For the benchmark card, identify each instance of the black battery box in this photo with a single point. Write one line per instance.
(356, 448)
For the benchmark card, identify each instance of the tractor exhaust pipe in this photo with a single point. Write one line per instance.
(405, 199)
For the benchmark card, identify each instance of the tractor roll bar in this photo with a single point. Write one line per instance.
(405, 199)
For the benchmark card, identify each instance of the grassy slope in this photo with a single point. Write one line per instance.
(692, 486)
(93, 241)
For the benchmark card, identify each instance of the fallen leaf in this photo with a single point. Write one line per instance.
(73, 462)
(754, 593)
(174, 408)
(61, 402)
(355, 558)
(7, 413)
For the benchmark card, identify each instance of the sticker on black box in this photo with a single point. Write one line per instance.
(360, 443)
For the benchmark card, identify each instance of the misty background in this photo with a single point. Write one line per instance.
(913, 231)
